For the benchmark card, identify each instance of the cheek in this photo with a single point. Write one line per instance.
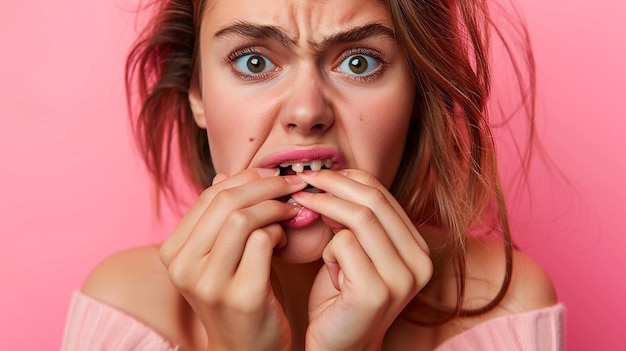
(386, 147)
(384, 128)
(230, 130)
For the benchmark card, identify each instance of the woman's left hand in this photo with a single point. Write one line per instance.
(375, 264)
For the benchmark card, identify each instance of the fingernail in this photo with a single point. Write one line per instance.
(301, 195)
(294, 203)
(293, 179)
(268, 172)
(343, 172)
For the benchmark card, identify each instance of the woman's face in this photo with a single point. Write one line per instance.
(283, 81)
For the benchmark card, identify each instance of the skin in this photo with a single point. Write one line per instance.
(308, 98)
(230, 277)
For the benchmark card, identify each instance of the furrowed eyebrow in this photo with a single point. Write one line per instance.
(355, 34)
(255, 31)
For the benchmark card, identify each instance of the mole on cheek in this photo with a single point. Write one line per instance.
(251, 139)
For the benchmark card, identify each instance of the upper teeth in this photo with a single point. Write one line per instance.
(315, 165)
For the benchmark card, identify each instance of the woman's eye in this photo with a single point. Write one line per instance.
(254, 64)
(358, 64)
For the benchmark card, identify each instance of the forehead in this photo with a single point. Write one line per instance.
(301, 19)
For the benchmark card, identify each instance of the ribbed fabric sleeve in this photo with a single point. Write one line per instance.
(93, 326)
(538, 330)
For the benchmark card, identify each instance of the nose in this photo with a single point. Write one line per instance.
(307, 107)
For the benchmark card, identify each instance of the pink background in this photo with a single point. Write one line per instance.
(72, 189)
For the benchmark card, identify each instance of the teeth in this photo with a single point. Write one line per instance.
(298, 167)
(315, 165)
(293, 202)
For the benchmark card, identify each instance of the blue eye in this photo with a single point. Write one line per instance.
(358, 64)
(254, 64)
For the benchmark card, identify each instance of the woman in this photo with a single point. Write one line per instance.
(343, 154)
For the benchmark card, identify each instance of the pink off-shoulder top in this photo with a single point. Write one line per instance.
(94, 326)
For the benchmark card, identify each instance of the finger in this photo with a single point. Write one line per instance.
(219, 178)
(278, 186)
(361, 187)
(204, 232)
(365, 226)
(172, 245)
(256, 261)
(369, 192)
(243, 226)
(366, 209)
(357, 277)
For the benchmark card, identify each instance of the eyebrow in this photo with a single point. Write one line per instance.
(254, 31)
(355, 34)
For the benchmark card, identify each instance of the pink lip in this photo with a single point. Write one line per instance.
(304, 154)
(303, 219)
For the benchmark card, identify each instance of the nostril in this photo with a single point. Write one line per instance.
(317, 126)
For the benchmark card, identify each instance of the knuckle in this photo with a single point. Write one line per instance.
(422, 269)
(343, 238)
(166, 253)
(260, 239)
(179, 273)
(206, 196)
(368, 178)
(363, 177)
(405, 283)
(237, 219)
(364, 214)
(224, 198)
(248, 175)
(375, 197)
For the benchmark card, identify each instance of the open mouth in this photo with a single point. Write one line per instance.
(301, 166)
(305, 217)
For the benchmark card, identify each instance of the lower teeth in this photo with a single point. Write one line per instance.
(292, 202)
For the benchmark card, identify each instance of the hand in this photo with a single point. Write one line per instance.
(374, 265)
(219, 258)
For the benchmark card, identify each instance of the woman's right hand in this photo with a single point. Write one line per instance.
(219, 258)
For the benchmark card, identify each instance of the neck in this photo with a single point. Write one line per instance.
(292, 284)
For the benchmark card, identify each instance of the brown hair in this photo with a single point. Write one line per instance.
(448, 177)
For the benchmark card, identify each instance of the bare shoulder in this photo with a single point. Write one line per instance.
(136, 282)
(122, 272)
(530, 286)
(530, 289)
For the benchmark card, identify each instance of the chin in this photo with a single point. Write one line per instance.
(305, 245)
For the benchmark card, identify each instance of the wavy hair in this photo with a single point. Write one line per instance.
(448, 177)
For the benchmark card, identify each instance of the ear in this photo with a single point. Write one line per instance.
(197, 108)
